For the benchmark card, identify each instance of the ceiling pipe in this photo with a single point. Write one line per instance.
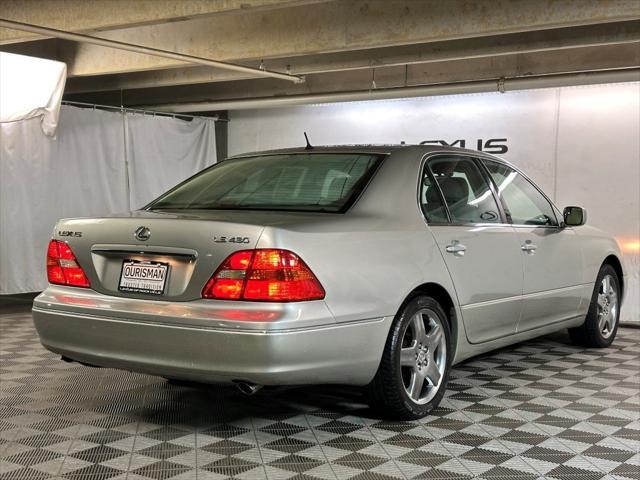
(77, 37)
(483, 86)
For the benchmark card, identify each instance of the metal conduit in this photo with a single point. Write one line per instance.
(500, 85)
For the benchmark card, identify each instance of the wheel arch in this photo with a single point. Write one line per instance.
(444, 298)
(616, 264)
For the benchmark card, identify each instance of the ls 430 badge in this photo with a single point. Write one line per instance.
(224, 239)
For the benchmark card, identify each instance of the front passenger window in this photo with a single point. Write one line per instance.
(524, 202)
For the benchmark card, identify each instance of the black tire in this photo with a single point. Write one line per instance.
(386, 392)
(589, 334)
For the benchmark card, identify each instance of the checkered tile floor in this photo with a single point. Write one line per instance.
(542, 409)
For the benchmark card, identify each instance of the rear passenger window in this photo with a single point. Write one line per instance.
(466, 192)
(431, 201)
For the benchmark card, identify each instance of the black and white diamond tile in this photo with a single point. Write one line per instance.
(539, 410)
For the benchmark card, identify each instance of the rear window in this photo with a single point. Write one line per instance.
(306, 182)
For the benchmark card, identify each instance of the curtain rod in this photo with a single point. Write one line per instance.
(141, 110)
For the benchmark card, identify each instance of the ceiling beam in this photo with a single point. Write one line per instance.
(508, 66)
(87, 16)
(497, 45)
(337, 26)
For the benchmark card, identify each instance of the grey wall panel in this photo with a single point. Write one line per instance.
(599, 167)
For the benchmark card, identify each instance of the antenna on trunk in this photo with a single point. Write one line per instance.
(309, 146)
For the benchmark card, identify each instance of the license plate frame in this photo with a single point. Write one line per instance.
(135, 281)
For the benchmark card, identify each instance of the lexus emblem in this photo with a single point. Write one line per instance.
(142, 233)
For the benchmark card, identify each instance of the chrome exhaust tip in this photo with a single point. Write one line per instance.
(248, 389)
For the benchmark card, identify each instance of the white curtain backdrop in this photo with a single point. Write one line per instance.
(182, 148)
(31, 87)
(82, 172)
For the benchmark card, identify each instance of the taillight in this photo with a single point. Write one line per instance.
(264, 275)
(63, 267)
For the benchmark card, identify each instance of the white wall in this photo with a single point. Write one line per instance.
(580, 144)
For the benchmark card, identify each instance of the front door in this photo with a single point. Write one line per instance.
(480, 250)
(552, 259)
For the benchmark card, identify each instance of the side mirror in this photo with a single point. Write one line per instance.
(574, 216)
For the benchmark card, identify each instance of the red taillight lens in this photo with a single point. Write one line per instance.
(264, 275)
(63, 267)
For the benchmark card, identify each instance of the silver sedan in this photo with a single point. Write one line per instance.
(372, 266)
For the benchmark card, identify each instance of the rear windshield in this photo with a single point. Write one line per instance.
(306, 182)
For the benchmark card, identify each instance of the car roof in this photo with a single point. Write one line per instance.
(376, 149)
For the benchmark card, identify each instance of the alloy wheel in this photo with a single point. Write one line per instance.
(423, 356)
(607, 306)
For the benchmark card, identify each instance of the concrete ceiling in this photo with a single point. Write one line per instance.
(339, 45)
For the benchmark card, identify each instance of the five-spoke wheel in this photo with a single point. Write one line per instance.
(607, 306)
(414, 369)
(423, 356)
(601, 323)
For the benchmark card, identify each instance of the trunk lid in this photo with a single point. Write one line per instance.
(190, 244)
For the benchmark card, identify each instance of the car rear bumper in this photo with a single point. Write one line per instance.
(207, 350)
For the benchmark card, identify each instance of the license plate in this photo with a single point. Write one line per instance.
(143, 277)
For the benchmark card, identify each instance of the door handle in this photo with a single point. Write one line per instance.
(529, 247)
(456, 248)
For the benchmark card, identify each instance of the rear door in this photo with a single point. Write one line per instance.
(481, 251)
(552, 258)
